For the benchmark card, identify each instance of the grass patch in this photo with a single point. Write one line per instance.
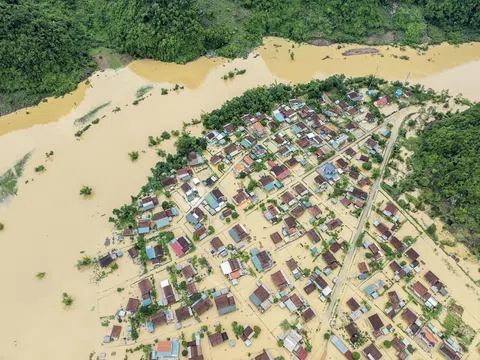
(142, 91)
(107, 58)
(67, 300)
(454, 326)
(88, 116)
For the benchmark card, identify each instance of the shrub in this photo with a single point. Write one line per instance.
(387, 344)
(256, 331)
(1, 226)
(184, 352)
(280, 343)
(133, 155)
(228, 220)
(67, 300)
(40, 168)
(326, 336)
(40, 275)
(165, 135)
(368, 255)
(356, 355)
(85, 190)
(235, 215)
(367, 166)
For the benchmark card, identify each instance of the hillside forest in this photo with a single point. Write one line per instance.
(46, 45)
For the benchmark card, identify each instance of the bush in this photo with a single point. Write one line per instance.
(1, 226)
(356, 355)
(165, 135)
(387, 344)
(256, 331)
(368, 255)
(367, 166)
(67, 300)
(228, 220)
(85, 190)
(280, 343)
(326, 336)
(235, 215)
(133, 155)
(40, 168)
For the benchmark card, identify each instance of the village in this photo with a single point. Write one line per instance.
(280, 242)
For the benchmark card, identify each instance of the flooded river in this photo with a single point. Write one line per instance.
(49, 224)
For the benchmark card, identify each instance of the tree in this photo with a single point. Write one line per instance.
(221, 167)
(67, 300)
(256, 331)
(326, 336)
(133, 155)
(356, 355)
(211, 230)
(2, 226)
(387, 344)
(85, 190)
(40, 168)
(165, 135)
(235, 215)
(367, 166)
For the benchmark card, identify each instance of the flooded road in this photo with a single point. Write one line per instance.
(49, 224)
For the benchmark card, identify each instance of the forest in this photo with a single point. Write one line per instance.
(447, 171)
(44, 44)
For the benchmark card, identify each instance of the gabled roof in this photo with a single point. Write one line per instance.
(376, 322)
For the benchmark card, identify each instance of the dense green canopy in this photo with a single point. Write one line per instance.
(447, 170)
(44, 44)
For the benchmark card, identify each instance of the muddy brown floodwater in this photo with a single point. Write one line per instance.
(48, 224)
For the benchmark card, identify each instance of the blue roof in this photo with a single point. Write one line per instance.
(227, 309)
(279, 116)
(161, 223)
(191, 219)
(270, 186)
(147, 302)
(211, 201)
(150, 327)
(150, 253)
(174, 211)
(339, 344)
(144, 230)
(296, 129)
(369, 290)
(234, 235)
(254, 298)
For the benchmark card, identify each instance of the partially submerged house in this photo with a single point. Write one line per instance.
(239, 233)
(261, 259)
(261, 298)
(181, 245)
(224, 301)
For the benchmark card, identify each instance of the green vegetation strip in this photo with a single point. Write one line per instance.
(88, 116)
(8, 180)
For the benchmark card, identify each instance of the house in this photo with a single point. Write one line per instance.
(189, 272)
(224, 301)
(291, 227)
(189, 191)
(350, 153)
(376, 322)
(308, 314)
(148, 202)
(354, 96)
(333, 224)
(216, 200)
(264, 355)
(372, 352)
(239, 232)
(166, 350)
(345, 202)
(114, 333)
(294, 268)
(159, 318)
(184, 174)
(248, 119)
(218, 245)
(319, 153)
(218, 338)
(168, 293)
(183, 313)
(292, 163)
(276, 238)
(259, 129)
(315, 211)
(303, 142)
(397, 244)
(280, 171)
(154, 253)
(422, 292)
(390, 210)
(280, 280)
(353, 332)
(195, 159)
(313, 236)
(328, 171)
(191, 289)
(321, 182)
(231, 150)
(247, 142)
(194, 349)
(247, 159)
(232, 268)
(202, 305)
(260, 298)
(409, 316)
(132, 252)
(240, 198)
(169, 182)
(412, 254)
(288, 198)
(330, 260)
(272, 214)
(261, 259)
(341, 347)
(267, 182)
(358, 193)
(342, 164)
(216, 159)
(384, 100)
(132, 306)
(363, 268)
(383, 230)
(372, 145)
(321, 284)
(181, 245)
(106, 260)
(143, 226)
(450, 351)
(301, 190)
(395, 304)
(195, 216)
(353, 304)
(370, 117)
(435, 283)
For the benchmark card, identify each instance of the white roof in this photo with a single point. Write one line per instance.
(226, 268)
(164, 283)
